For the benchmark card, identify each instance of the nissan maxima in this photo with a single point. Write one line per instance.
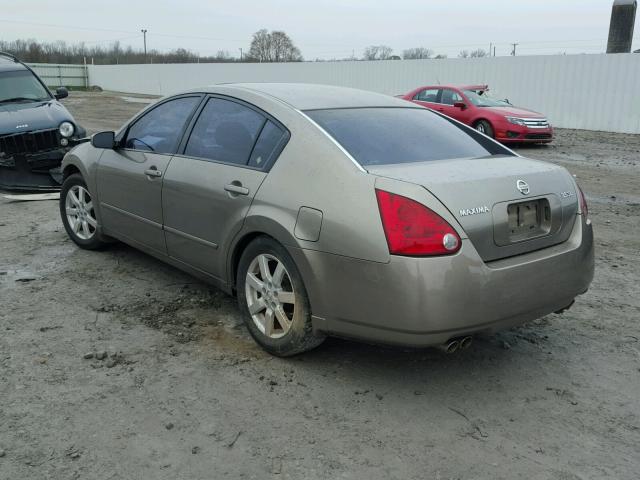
(335, 211)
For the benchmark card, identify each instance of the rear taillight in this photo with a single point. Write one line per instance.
(413, 229)
(583, 204)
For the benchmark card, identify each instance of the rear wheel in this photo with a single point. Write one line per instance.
(484, 127)
(273, 299)
(78, 213)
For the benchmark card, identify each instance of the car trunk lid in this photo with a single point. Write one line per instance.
(506, 205)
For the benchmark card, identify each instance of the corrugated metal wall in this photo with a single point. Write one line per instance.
(61, 75)
(593, 92)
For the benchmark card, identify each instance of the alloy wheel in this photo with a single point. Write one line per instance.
(270, 296)
(80, 213)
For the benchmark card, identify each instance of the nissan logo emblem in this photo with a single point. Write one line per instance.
(523, 187)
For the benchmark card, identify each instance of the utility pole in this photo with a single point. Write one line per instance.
(490, 48)
(240, 54)
(144, 33)
(494, 51)
(513, 52)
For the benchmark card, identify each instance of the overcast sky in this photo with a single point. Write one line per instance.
(322, 28)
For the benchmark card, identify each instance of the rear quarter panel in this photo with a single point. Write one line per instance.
(313, 172)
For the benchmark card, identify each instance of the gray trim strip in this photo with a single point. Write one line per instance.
(159, 226)
(191, 237)
(131, 215)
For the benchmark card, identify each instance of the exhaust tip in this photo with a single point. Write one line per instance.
(450, 347)
(465, 342)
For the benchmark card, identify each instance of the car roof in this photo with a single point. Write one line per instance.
(459, 87)
(308, 96)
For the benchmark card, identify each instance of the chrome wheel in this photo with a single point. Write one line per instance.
(480, 128)
(270, 296)
(80, 213)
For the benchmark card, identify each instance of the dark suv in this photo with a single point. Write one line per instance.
(35, 129)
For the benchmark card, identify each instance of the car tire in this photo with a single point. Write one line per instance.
(78, 215)
(484, 127)
(264, 298)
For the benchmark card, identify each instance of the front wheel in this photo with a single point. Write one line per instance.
(274, 301)
(78, 213)
(484, 127)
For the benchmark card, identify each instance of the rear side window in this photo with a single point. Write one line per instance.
(383, 136)
(225, 132)
(270, 142)
(429, 95)
(160, 129)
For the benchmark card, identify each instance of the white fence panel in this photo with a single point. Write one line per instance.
(61, 75)
(594, 92)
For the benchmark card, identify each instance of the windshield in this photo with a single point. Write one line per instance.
(21, 86)
(484, 100)
(382, 136)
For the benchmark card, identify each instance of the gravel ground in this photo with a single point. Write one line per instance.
(114, 365)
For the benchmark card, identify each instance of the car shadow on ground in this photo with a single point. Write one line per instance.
(365, 365)
(532, 147)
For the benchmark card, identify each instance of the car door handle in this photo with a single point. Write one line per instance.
(153, 172)
(237, 189)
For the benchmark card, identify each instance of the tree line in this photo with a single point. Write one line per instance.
(32, 51)
(265, 46)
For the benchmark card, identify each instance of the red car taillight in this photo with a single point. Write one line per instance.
(413, 229)
(583, 203)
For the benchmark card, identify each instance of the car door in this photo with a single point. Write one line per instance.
(129, 177)
(429, 97)
(448, 99)
(209, 187)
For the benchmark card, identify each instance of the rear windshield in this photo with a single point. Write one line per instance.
(382, 136)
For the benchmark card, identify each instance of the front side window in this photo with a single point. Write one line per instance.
(382, 136)
(160, 130)
(449, 97)
(21, 86)
(428, 95)
(225, 132)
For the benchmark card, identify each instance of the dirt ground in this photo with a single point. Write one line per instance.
(184, 393)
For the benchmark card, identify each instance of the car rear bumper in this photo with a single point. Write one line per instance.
(427, 301)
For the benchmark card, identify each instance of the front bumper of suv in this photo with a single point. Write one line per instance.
(31, 161)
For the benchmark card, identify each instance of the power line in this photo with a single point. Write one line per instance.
(71, 27)
(74, 27)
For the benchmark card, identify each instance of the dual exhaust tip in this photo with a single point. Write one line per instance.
(455, 344)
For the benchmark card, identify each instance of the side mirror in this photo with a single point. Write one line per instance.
(507, 100)
(61, 92)
(460, 105)
(104, 140)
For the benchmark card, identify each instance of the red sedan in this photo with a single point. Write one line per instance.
(472, 105)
